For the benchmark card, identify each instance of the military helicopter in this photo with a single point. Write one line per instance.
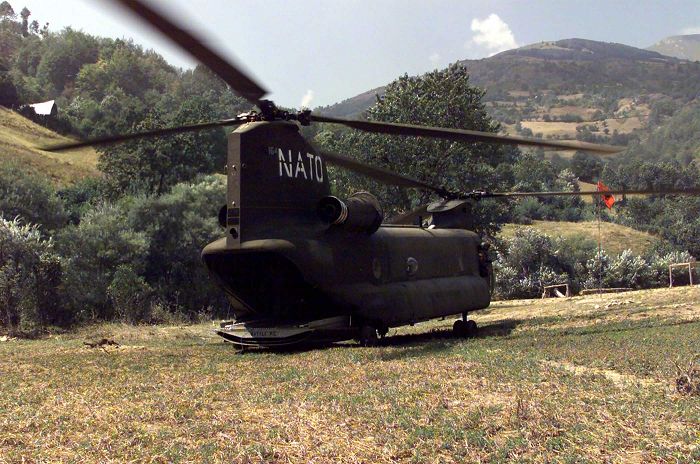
(298, 264)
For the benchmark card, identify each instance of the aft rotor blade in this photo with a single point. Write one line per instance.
(463, 135)
(382, 175)
(140, 135)
(239, 81)
(409, 217)
(688, 191)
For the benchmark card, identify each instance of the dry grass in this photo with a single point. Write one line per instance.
(577, 380)
(585, 113)
(617, 238)
(566, 130)
(19, 142)
(571, 97)
(625, 125)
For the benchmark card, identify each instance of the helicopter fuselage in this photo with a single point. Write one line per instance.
(279, 263)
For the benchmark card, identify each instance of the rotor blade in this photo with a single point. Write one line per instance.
(382, 175)
(688, 191)
(240, 82)
(409, 217)
(463, 135)
(139, 135)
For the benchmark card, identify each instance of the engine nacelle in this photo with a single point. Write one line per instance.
(360, 213)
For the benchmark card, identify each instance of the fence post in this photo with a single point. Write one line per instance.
(670, 276)
(690, 273)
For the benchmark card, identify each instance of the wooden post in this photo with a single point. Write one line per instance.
(690, 273)
(670, 276)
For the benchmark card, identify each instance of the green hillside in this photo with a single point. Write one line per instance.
(19, 142)
(616, 237)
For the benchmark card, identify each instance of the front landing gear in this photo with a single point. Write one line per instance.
(464, 327)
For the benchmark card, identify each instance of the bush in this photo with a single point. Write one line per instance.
(625, 270)
(177, 226)
(93, 251)
(658, 267)
(526, 263)
(30, 197)
(83, 196)
(29, 278)
(130, 295)
(531, 260)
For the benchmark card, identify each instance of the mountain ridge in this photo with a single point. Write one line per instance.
(685, 47)
(562, 66)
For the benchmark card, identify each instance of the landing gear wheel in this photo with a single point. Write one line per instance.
(459, 328)
(471, 328)
(368, 336)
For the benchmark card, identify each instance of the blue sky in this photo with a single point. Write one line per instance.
(322, 52)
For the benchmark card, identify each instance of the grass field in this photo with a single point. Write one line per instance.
(19, 142)
(586, 379)
(617, 238)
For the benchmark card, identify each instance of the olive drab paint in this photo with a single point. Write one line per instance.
(280, 262)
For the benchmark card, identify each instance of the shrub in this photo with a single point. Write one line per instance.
(658, 267)
(526, 263)
(625, 270)
(93, 251)
(30, 197)
(29, 278)
(130, 295)
(177, 226)
(83, 196)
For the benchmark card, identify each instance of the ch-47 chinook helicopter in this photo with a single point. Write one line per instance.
(299, 264)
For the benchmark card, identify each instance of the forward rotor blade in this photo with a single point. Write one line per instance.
(239, 81)
(140, 135)
(689, 191)
(382, 175)
(463, 135)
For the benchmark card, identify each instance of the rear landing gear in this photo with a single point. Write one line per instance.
(464, 327)
(368, 336)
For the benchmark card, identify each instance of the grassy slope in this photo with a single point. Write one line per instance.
(616, 238)
(19, 139)
(588, 379)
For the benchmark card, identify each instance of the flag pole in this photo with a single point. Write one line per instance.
(609, 201)
(600, 252)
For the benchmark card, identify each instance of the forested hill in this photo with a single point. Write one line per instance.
(101, 85)
(578, 89)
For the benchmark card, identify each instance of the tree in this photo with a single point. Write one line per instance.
(8, 92)
(586, 167)
(24, 14)
(63, 56)
(440, 98)
(154, 165)
(6, 11)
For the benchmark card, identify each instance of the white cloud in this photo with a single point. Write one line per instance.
(435, 58)
(690, 30)
(307, 98)
(492, 33)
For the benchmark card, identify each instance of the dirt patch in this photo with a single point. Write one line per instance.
(620, 380)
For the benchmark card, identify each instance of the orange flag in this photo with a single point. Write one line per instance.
(608, 199)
